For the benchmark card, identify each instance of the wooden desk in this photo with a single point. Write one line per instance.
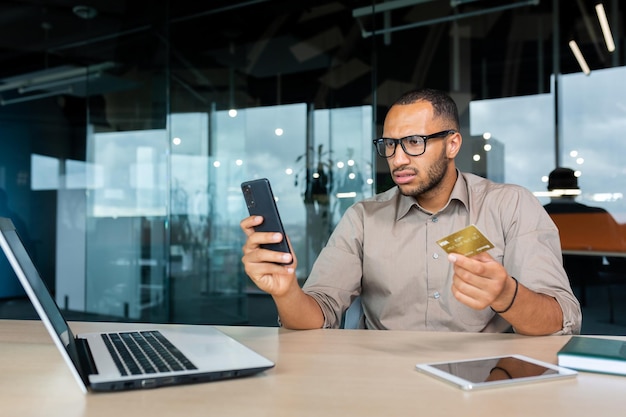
(318, 373)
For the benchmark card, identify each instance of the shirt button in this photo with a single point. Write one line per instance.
(436, 295)
(435, 256)
(435, 219)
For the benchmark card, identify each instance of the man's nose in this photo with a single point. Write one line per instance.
(400, 157)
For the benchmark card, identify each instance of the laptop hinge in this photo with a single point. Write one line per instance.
(84, 356)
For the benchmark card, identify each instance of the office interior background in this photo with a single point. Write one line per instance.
(127, 127)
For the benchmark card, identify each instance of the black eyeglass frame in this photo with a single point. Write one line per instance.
(425, 138)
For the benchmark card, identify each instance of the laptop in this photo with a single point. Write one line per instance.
(111, 361)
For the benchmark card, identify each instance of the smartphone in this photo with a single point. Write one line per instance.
(261, 202)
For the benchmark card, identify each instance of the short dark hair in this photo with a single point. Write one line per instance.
(563, 179)
(443, 105)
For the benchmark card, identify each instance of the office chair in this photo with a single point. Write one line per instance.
(352, 316)
(597, 233)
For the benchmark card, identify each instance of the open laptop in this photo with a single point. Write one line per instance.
(199, 354)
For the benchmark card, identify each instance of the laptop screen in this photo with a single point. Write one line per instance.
(36, 289)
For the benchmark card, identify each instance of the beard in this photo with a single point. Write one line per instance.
(435, 174)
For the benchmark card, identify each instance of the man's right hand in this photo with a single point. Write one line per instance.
(296, 309)
(263, 265)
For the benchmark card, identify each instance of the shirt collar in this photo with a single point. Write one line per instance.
(459, 192)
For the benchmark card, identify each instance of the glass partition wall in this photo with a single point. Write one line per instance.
(128, 127)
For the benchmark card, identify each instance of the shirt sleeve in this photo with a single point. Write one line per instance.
(335, 279)
(533, 255)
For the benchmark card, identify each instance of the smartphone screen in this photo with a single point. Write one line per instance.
(261, 202)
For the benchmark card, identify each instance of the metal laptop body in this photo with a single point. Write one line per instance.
(214, 354)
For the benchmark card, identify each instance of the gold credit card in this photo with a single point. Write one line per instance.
(468, 241)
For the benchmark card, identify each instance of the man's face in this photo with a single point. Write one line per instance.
(416, 175)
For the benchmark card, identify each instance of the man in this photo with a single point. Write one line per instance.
(384, 248)
(582, 269)
(565, 183)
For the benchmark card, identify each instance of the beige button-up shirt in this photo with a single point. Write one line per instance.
(384, 249)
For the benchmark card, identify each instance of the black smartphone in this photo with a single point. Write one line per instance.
(260, 201)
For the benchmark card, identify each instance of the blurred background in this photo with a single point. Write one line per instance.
(127, 127)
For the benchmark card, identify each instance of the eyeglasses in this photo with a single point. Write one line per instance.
(413, 145)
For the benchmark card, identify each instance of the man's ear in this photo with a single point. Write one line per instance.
(454, 145)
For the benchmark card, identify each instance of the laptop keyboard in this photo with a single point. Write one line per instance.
(145, 352)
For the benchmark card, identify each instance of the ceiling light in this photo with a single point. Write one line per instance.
(59, 83)
(557, 193)
(395, 4)
(565, 191)
(6, 102)
(85, 12)
(390, 5)
(606, 30)
(579, 57)
(50, 75)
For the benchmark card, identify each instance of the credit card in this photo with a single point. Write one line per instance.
(468, 241)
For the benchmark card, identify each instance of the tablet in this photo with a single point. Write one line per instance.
(495, 371)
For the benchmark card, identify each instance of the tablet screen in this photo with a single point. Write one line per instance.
(494, 371)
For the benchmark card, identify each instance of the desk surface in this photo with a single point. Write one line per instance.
(317, 373)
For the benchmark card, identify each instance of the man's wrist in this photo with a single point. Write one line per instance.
(512, 299)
